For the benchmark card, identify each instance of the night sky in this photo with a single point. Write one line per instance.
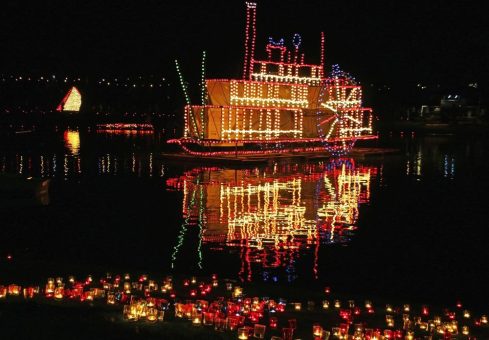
(389, 42)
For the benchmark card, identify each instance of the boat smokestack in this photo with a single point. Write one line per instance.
(250, 36)
(322, 55)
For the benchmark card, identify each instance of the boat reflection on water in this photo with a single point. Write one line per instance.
(272, 215)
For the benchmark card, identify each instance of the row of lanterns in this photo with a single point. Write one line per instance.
(148, 300)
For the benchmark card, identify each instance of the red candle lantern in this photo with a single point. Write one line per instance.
(317, 331)
(273, 322)
(254, 317)
(292, 323)
(208, 318)
(3, 292)
(287, 333)
(14, 289)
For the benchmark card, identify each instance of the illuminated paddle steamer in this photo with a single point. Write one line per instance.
(281, 105)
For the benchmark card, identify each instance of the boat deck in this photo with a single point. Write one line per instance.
(356, 153)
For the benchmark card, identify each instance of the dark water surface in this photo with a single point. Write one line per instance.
(410, 225)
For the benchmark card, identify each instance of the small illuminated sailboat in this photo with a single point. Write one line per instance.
(71, 102)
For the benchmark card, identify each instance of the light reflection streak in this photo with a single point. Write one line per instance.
(72, 141)
(273, 215)
(46, 165)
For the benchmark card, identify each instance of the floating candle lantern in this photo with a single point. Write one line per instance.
(437, 320)
(197, 320)
(215, 283)
(193, 280)
(161, 315)
(58, 293)
(243, 333)
(337, 304)
(110, 298)
(127, 287)
(368, 304)
(297, 306)
(406, 308)
(219, 324)
(417, 320)
(287, 333)
(88, 296)
(179, 310)
(28, 292)
(292, 323)
(325, 304)
(98, 293)
(229, 286)
(238, 291)
(208, 318)
(317, 331)
(151, 302)
(409, 335)
(203, 304)
(345, 314)
(126, 312)
(388, 308)
(3, 292)
(336, 332)
(254, 317)
(451, 315)
(465, 330)
(466, 314)
(152, 315)
(351, 303)
(232, 322)
(273, 322)
(388, 334)
(424, 326)
(389, 319)
(14, 289)
(344, 327)
(358, 335)
(453, 327)
(49, 290)
(71, 279)
(484, 319)
(259, 331)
